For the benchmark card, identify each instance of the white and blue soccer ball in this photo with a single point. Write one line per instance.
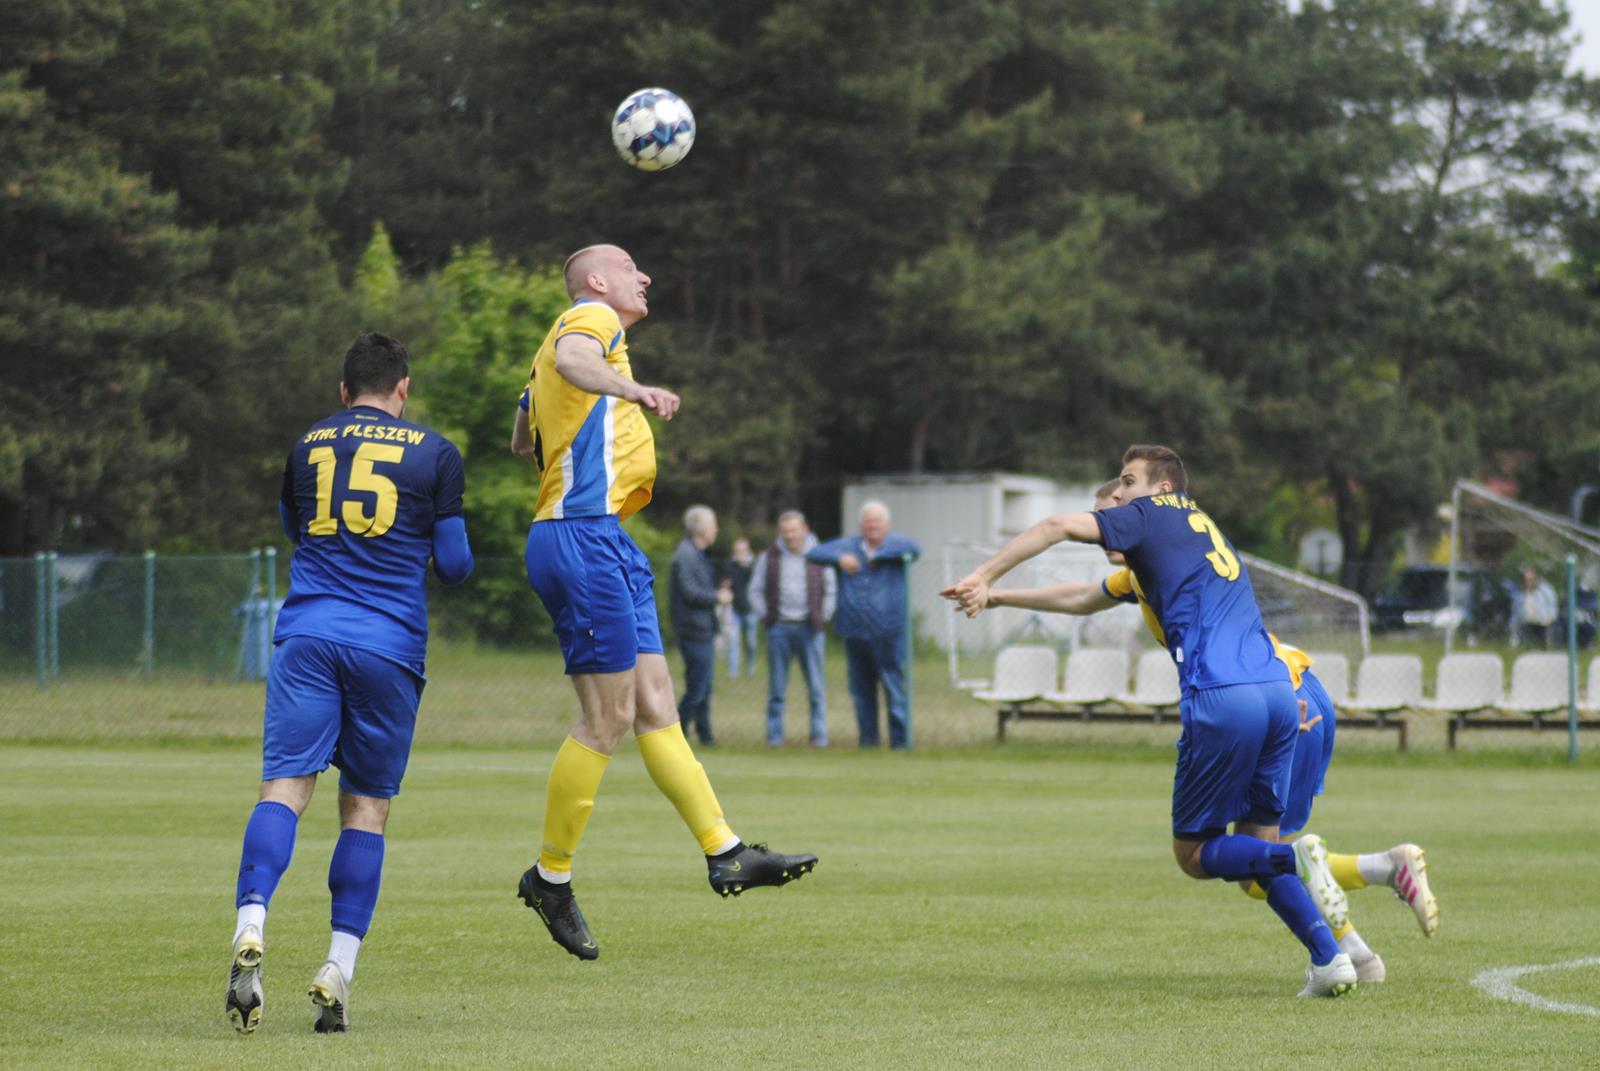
(653, 129)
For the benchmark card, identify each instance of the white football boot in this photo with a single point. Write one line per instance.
(1410, 884)
(1333, 979)
(330, 992)
(244, 981)
(1311, 859)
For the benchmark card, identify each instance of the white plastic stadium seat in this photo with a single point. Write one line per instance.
(1155, 682)
(1468, 682)
(1538, 683)
(1093, 675)
(1020, 674)
(1387, 682)
(1333, 670)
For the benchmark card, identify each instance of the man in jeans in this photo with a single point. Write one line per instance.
(794, 598)
(872, 620)
(693, 598)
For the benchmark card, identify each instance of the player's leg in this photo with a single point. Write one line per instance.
(890, 654)
(812, 653)
(861, 674)
(300, 728)
(732, 864)
(1233, 764)
(781, 648)
(1403, 868)
(381, 698)
(1331, 973)
(581, 574)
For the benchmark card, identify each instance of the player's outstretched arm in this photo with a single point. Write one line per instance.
(580, 362)
(972, 591)
(1071, 597)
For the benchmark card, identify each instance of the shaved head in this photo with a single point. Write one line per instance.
(608, 274)
(586, 260)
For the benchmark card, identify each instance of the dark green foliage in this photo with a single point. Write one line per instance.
(1345, 246)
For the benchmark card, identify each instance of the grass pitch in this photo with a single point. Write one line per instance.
(1015, 908)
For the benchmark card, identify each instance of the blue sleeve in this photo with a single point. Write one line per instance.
(1123, 527)
(287, 516)
(452, 554)
(899, 546)
(830, 552)
(291, 524)
(523, 402)
(450, 484)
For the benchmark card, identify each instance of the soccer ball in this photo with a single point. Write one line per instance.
(653, 129)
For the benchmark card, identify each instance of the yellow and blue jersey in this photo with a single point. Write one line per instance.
(1196, 589)
(1123, 586)
(364, 491)
(596, 453)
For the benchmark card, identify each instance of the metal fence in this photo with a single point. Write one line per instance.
(107, 647)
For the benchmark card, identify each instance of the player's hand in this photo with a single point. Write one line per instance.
(1305, 726)
(849, 563)
(972, 592)
(724, 596)
(660, 401)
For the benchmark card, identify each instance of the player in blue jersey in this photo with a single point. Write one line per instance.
(368, 499)
(1238, 710)
(1327, 875)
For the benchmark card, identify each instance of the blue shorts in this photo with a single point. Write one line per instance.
(1234, 757)
(332, 704)
(598, 588)
(1313, 750)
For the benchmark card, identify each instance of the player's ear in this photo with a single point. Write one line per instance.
(344, 394)
(403, 388)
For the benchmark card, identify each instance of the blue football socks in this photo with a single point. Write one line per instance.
(268, 847)
(1289, 898)
(1234, 857)
(353, 878)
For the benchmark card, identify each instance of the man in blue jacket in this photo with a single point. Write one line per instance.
(871, 619)
(693, 598)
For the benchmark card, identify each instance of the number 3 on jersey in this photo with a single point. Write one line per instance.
(361, 478)
(1220, 557)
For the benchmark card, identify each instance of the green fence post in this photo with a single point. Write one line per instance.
(911, 640)
(41, 641)
(149, 612)
(1572, 658)
(53, 616)
(270, 620)
(250, 596)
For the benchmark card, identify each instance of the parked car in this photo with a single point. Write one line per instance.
(1419, 598)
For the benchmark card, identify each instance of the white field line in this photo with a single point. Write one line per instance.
(1501, 984)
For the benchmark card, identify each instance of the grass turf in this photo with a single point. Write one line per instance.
(1014, 908)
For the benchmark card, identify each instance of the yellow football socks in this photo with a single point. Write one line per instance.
(1346, 872)
(574, 780)
(682, 780)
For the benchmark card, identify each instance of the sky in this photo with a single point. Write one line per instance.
(1586, 20)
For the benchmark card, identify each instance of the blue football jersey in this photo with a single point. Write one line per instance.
(1198, 589)
(365, 490)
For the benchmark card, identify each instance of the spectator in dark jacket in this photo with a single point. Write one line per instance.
(872, 620)
(692, 600)
(741, 638)
(794, 599)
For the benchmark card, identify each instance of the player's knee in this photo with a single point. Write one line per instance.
(1186, 853)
